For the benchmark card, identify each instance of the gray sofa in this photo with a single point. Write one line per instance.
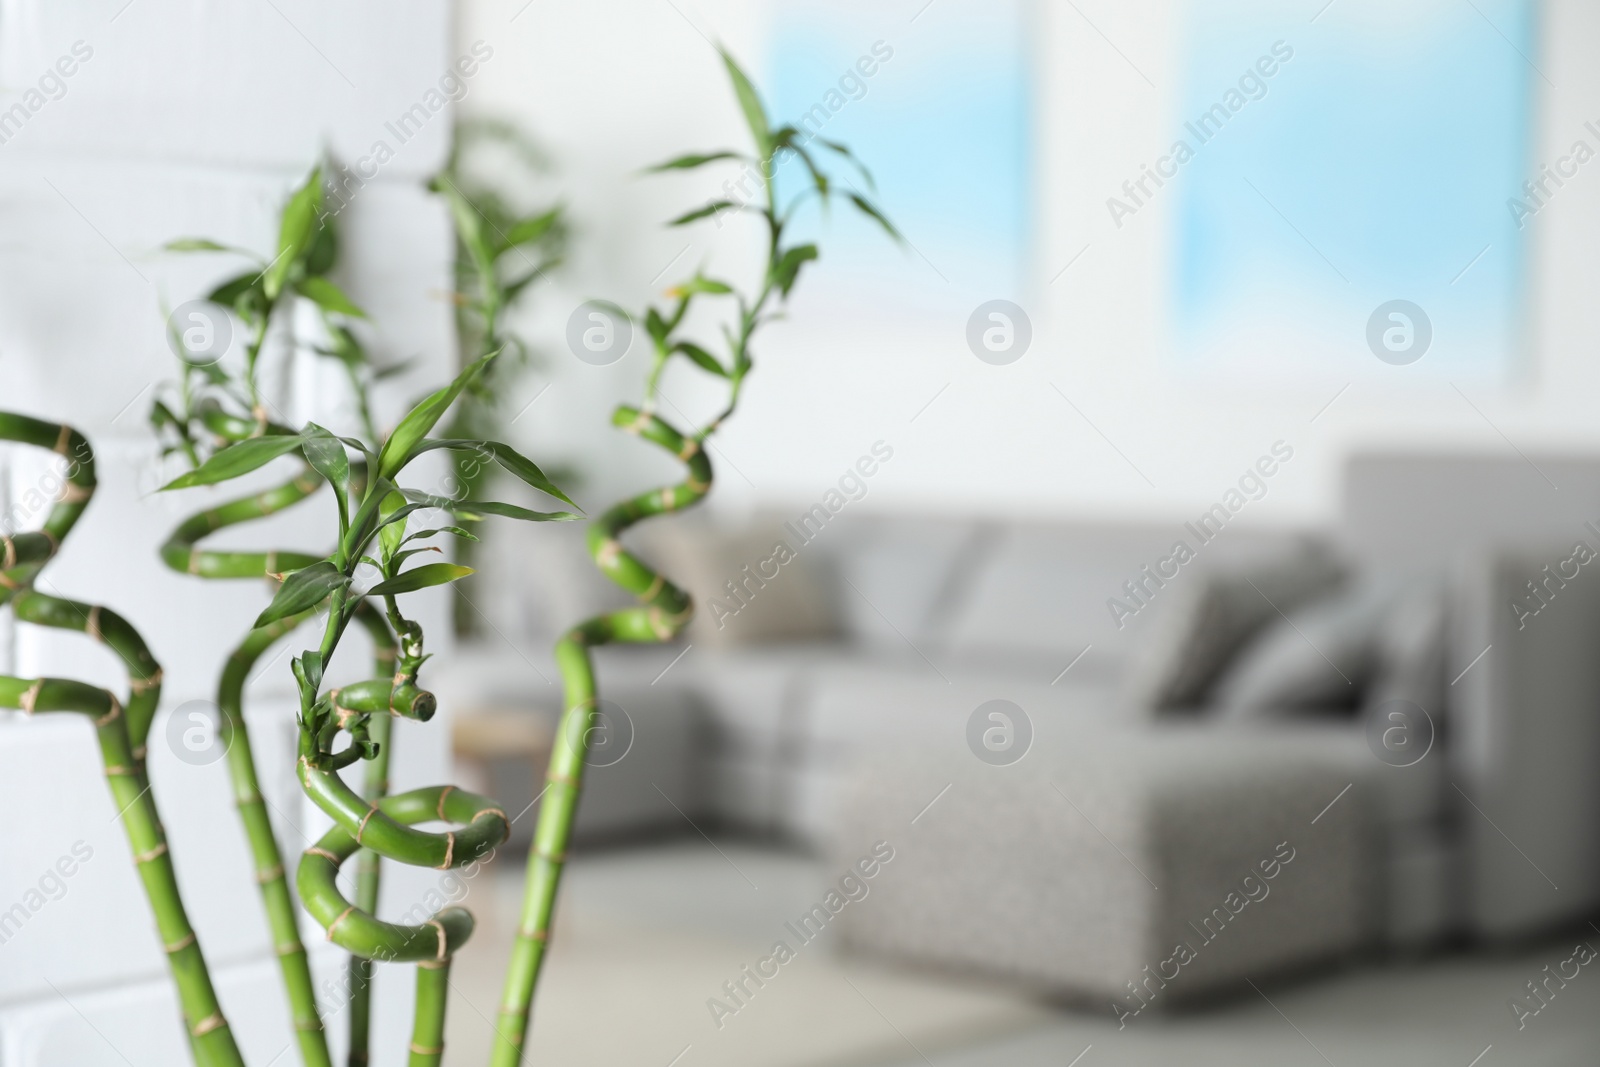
(835, 704)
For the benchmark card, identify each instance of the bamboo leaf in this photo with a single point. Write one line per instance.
(477, 509)
(701, 358)
(429, 574)
(788, 268)
(509, 458)
(397, 450)
(871, 212)
(699, 284)
(327, 457)
(844, 150)
(704, 212)
(303, 590)
(531, 229)
(202, 244)
(393, 511)
(456, 530)
(236, 460)
(295, 231)
(755, 116)
(692, 160)
(242, 292)
(329, 297)
(656, 327)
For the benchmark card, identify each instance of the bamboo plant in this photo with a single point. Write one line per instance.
(376, 527)
(122, 730)
(211, 410)
(501, 251)
(664, 609)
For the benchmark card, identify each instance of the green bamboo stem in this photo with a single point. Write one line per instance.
(430, 944)
(427, 1028)
(664, 610)
(368, 874)
(181, 555)
(204, 1022)
(122, 733)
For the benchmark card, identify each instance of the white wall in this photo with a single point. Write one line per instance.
(189, 117)
(614, 85)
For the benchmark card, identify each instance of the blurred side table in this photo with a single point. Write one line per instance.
(502, 753)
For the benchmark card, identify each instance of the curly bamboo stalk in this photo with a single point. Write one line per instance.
(181, 554)
(665, 609)
(122, 733)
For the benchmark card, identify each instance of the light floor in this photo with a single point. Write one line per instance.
(647, 935)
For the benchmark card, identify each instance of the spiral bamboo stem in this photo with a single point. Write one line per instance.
(122, 732)
(664, 608)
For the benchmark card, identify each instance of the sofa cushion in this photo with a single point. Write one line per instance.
(1204, 622)
(1319, 658)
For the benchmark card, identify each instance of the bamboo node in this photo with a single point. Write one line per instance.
(668, 502)
(551, 857)
(361, 829)
(11, 554)
(433, 965)
(537, 934)
(139, 753)
(194, 561)
(92, 625)
(318, 850)
(155, 853)
(656, 585)
(111, 715)
(180, 945)
(142, 685)
(690, 447)
(696, 484)
(640, 421)
(55, 542)
(443, 793)
(115, 770)
(444, 944)
(7, 581)
(491, 811)
(421, 1050)
(449, 850)
(269, 875)
(61, 440)
(288, 948)
(606, 558)
(211, 1022)
(73, 493)
(30, 696)
(343, 915)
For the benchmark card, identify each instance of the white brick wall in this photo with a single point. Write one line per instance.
(184, 117)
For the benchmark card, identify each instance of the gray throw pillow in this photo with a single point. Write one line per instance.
(1318, 659)
(1192, 638)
